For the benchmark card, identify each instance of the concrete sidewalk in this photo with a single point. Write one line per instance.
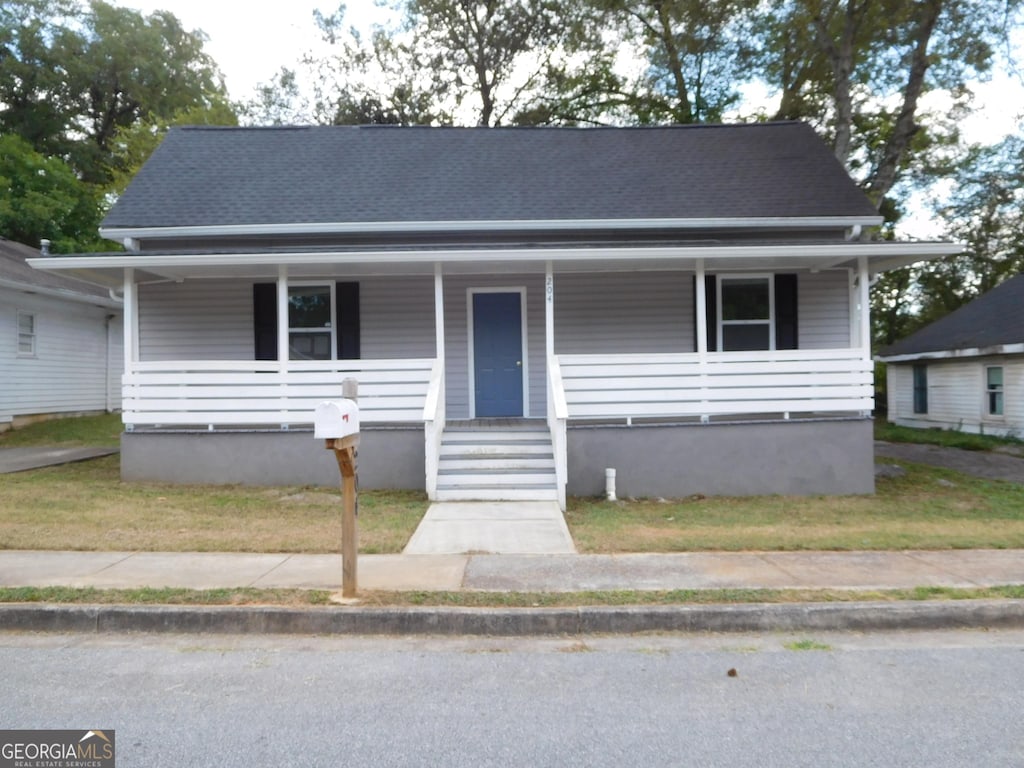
(520, 573)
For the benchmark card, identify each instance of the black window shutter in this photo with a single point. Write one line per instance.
(264, 313)
(711, 311)
(347, 297)
(785, 312)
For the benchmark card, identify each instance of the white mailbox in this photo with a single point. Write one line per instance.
(335, 419)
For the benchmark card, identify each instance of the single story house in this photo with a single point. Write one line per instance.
(965, 371)
(523, 308)
(60, 342)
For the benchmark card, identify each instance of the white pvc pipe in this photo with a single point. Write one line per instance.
(609, 484)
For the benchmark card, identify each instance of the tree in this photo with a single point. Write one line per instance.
(985, 211)
(72, 77)
(483, 62)
(693, 50)
(42, 198)
(859, 69)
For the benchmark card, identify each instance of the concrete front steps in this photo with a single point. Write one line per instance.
(511, 462)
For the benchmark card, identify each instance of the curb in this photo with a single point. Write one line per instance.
(933, 615)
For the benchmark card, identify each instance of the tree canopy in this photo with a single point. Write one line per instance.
(91, 87)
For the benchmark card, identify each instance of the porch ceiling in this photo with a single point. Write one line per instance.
(107, 269)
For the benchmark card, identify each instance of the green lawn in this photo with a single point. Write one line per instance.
(85, 506)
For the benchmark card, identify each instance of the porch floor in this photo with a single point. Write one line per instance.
(492, 527)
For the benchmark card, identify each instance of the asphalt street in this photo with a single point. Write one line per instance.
(902, 699)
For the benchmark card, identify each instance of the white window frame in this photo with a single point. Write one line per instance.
(987, 407)
(722, 323)
(333, 332)
(30, 336)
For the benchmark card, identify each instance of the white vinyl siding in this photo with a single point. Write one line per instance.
(396, 317)
(957, 396)
(67, 372)
(457, 338)
(823, 309)
(213, 319)
(624, 312)
(196, 320)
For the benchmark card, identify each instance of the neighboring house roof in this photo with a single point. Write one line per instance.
(214, 176)
(16, 273)
(992, 323)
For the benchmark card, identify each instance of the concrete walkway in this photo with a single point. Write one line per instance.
(492, 527)
(519, 573)
(22, 459)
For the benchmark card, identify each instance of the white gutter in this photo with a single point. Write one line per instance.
(426, 256)
(58, 293)
(127, 234)
(953, 354)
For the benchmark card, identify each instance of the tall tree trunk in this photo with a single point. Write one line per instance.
(884, 175)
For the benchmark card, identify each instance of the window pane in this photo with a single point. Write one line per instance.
(742, 338)
(309, 307)
(26, 323)
(309, 346)
(920, 389)
(995, 403)
(994, 377)
(745, 299)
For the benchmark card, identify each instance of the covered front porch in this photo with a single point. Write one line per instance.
(621, 358)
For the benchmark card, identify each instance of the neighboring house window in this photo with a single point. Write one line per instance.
(26, 334)
(746, 313)
(920, 388)
(994, 389)
(310, 322)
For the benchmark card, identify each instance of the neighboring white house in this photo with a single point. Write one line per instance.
(60, 342)
(964, 371)
(523, 308)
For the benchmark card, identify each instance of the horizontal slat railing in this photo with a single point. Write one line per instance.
(719, 384)
(241, 393)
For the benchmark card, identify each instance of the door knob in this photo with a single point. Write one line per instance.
(519, 363)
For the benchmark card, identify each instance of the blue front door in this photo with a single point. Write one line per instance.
(498, 354)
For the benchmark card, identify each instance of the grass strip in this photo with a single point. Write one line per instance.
(300, 598)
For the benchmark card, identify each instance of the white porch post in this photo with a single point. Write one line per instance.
(131, 321)
(864, 298)
(549, 310)
(282, 316)
(702, 312)
(439, 311)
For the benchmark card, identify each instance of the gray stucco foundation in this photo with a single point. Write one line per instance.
(390, 458)
(834, 457)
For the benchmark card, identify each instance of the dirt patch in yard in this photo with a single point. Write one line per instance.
(986, 464)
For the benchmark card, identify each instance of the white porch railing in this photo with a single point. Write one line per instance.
(558, 416)
(214, 394)
(717, 384)
(433, 425)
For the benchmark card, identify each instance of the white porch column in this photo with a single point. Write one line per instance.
(131, 320)
(282, 315)
(439, 311)
(864, 300)
(549, 310)
(701, 300)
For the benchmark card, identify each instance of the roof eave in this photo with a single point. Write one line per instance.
(430, 227)
(955, 354)
(59, 293)
(819, 256)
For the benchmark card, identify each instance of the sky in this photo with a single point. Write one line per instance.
(251, 41)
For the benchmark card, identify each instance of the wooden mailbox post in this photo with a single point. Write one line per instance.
(337, 423)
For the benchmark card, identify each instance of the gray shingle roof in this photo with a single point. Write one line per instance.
(14, 269)
(993, 319)
(202, 176)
